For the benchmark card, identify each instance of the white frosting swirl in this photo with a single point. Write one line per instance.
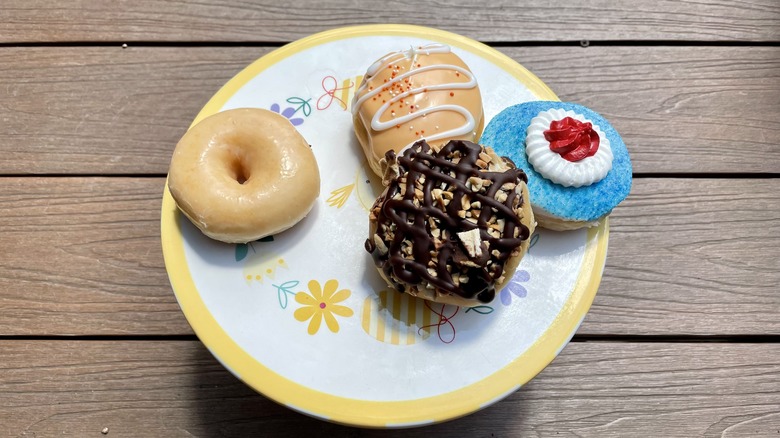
(554, 167)
(362, 96)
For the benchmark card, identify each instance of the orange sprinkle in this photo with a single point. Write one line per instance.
(451, 93)
(383, 101)
(423, 131)
(416, 133)
(418, 65)
(457, 74)
(370, 88)
(397, 126)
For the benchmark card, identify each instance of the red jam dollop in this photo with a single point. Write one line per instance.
(571, 139)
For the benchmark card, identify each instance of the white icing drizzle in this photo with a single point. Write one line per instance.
(554, 167)
(412, 54)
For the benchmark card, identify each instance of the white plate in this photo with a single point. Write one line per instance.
(390, 360)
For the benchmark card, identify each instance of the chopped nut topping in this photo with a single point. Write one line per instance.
(465, 203)
(392, 171)
(380, 245)
(476, 183)
(476, 245)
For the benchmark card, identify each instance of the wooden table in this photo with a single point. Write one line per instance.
(683, 338)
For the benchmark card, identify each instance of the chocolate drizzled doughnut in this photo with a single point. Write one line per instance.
(448, 220)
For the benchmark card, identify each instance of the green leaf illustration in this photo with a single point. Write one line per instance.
(302, 105)
(283, 290)
(483, 310)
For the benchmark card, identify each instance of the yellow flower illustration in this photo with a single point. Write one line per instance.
(321, 304)
(339, 196)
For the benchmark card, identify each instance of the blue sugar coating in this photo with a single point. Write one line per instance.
(506, 135)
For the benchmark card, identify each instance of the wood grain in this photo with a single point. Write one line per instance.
(112, 111)
(691, 255)
(503, 20)
(83, 253)
(174, 389)
(687, 256)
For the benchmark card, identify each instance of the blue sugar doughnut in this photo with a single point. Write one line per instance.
(506, 135)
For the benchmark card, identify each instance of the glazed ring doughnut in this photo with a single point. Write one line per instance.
(243, 174)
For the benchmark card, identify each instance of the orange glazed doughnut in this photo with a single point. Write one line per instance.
(243, 174)
(426, 92)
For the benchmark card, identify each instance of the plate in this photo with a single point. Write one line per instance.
(369, 357)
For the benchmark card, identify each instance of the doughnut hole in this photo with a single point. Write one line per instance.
(230, 160)
(239, 170)
(237, 158)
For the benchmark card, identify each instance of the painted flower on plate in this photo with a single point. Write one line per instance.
(288, 112)
(514, 287)
(322, 303)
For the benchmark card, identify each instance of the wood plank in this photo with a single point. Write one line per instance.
(679, 109)
(694, 256)
(99, 110)
(504, 20)
(687, 256)
(83, 253)
(111, 111)
(148, 388)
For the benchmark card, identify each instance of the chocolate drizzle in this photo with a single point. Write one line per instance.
(435, 196)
